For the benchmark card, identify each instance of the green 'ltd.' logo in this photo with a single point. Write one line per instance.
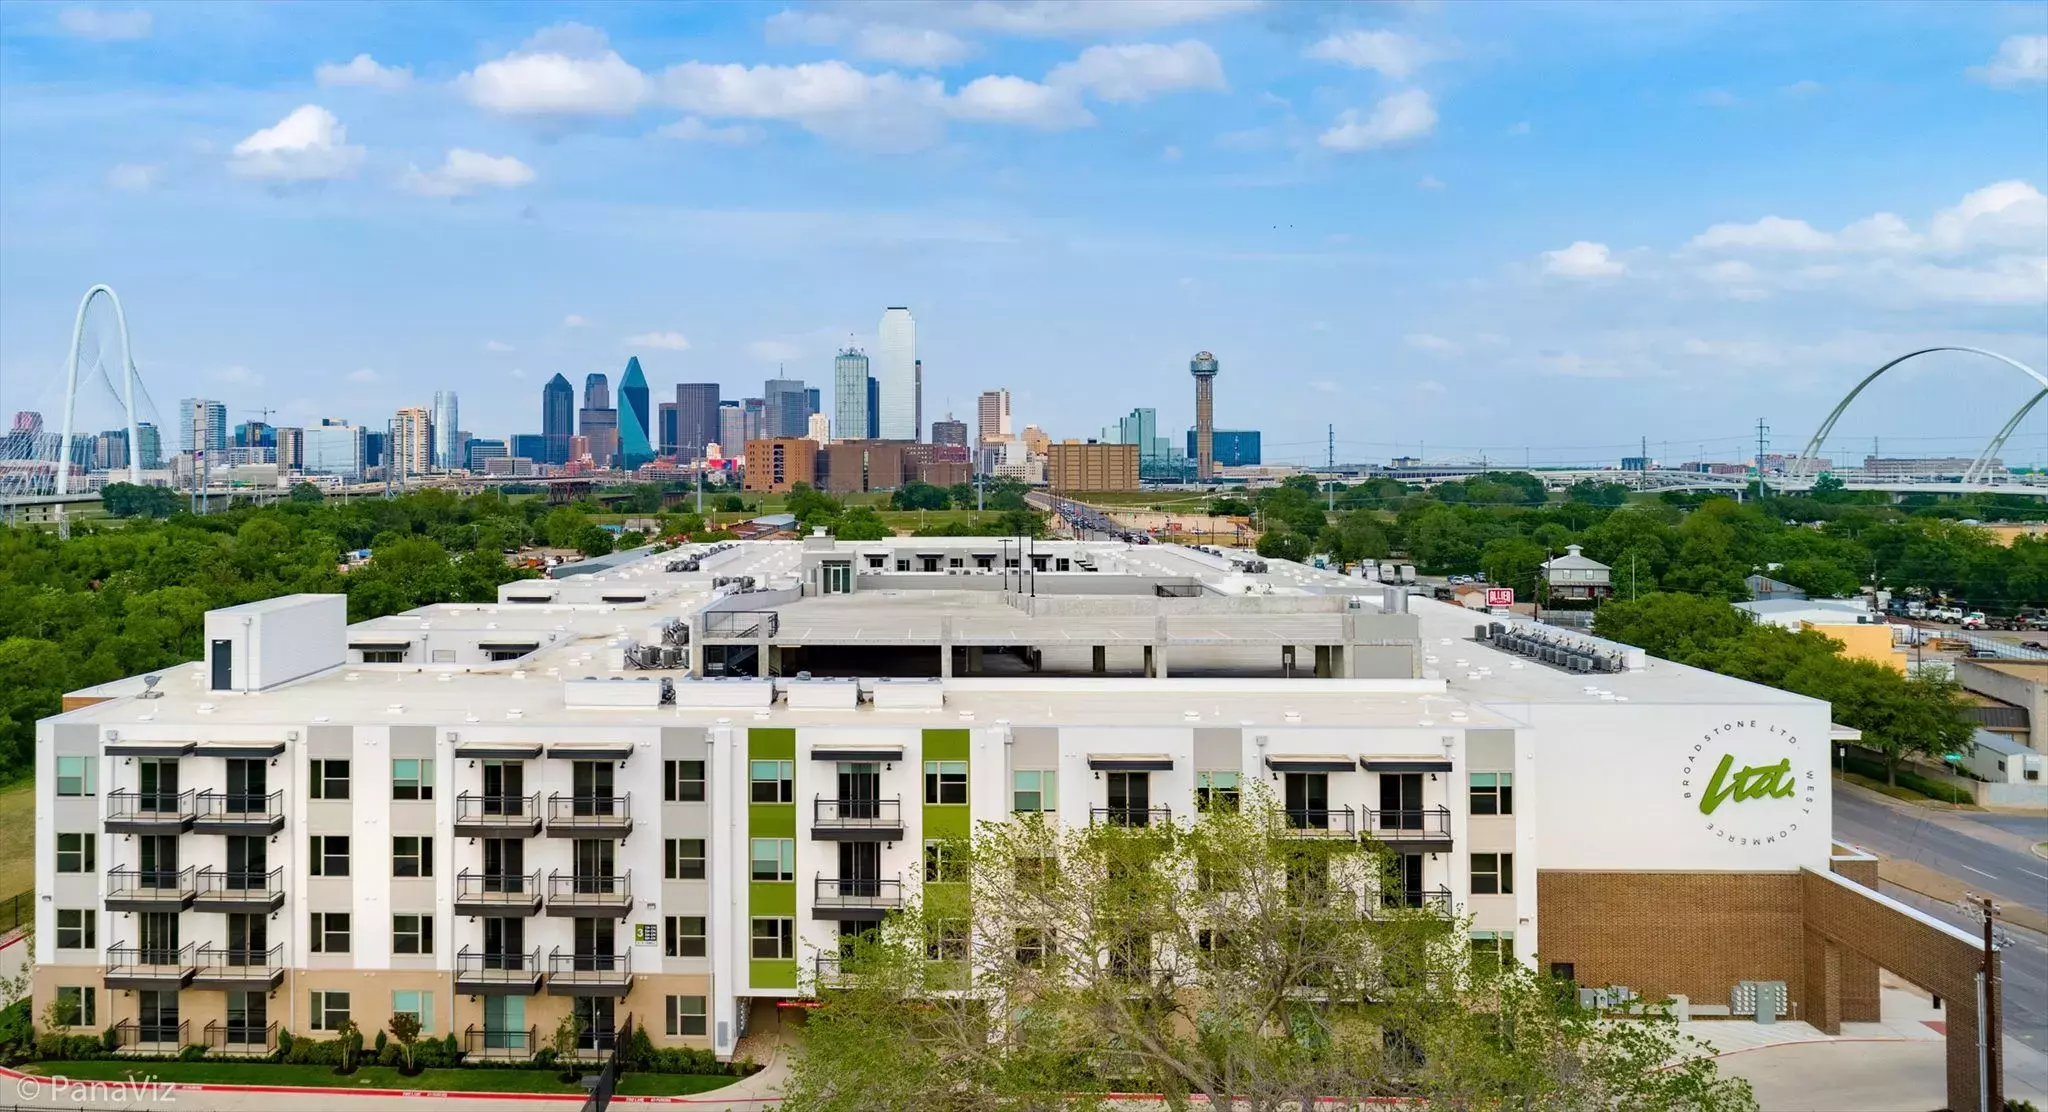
(1772, 781)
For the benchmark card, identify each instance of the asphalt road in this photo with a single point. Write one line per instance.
(1905, 832)
(2024, 967)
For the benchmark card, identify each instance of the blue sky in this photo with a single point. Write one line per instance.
(1544, 226)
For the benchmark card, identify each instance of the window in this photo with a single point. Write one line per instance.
(1212, 941)
(78, 1006)
(1217, 791)
(330, 1010)
(774, 781)
(420, 1005)
(686, 1016)
(683, 936)
(903, 564)
(1493, 874)
(773, 859)
(682, 781)
(412, 779)
(78, 929)
(330, 780)
(943, 863)
(1034, 790)
(1493, 948)
(945, 781)
(383, 656)
(1033, 944)
(330, 855)
(76, 853)
(774, 938)
(412, 934)
(682, 858)
(330, 932)
(75, 776)
(412, 856)
(1493, 793)
(945, 940)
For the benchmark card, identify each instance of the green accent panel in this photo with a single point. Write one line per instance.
(947, 821)
(773, 820)
(772, 973)
(770, 744)
(766, 898)
(945, 900)
(939, 745)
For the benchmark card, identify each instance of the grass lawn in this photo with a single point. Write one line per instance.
(17, 838)
(367, 1077)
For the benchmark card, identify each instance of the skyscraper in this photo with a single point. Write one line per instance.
(411, 446)
(787, 412)
(874, 409)
(665, 428)
(202, 425)
(896, 375)
(1203, 367)
(950, 431)
(632, 416)
(732, 430)
(598, 422)
(917, 394)
(697, 420)
(447, 454)
(335, 447)
(291, 447)
(992, 414)
(149, 446)
(850, 393)
(557, 418)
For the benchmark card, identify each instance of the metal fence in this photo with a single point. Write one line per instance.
(18, 911)
(606, 1083)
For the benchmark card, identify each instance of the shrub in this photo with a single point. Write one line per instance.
(284, 1045)
(378, 1046)
(192, 1053)
(544, 1058)
(109, 1039)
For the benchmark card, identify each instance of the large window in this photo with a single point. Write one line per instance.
(76, 853)
(419, 1005)
(945, 781)
(76, 776)
(1218, 791)
(78, 1006)
(330, 1010)
(773, 781)
(683, 936)
(412, 856)
(682, 858)
(1493, 793)
(686, 1016)
(329, 780)
(1493, 874)
(330, 932)
(945, 940)
(412, 778)
(330, 855)
(1034, 789)
(773, 859)
(1494, 948)
(412, 934)
(943, 863)
(77, 928)
(774, 938)
(682, 781)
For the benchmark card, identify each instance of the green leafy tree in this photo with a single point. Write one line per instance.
(405, 1030)
(921, 496)
(1283, 544)
(861, 523)
(568, 1032)
(1356, 535)
(593, 540)
(1513, 562)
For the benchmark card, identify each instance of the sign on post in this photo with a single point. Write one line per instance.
(1500, 597)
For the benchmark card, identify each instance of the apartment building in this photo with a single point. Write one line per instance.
(670, 788)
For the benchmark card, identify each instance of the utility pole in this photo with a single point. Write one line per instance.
(1330, 460)
(1763, 433)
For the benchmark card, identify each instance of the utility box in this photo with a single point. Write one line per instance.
(259, 645)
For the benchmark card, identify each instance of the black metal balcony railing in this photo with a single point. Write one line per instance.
(150, 810)
(135, 1033)
(589, 974)
(218, 886)
(493, 812)
(499, 893)
(830, 968)
(166, 961)
(1437, 900)
(495, 967)
(235, 1037)
(591, 889)
(742, 623)
(240, 808)
(858, 892)
(577, 813)
(1310, 822)
(241, 957)
(128, 889)
(1411, 823)
(857, 814)
(497, 1042)
(1131, 816)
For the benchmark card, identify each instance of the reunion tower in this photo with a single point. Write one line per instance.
(1203, 367)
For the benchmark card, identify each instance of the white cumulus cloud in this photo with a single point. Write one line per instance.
(465, 172)
(564, 71)
(690, 129)
(1092, 17)
(91, 23)
(307, 145)
(1389, 52)
(832, 99)
(2021, 60)
(497, 345)
(1433, 344)
(921, 47)
(667, 341)
(1400, 118)
(1583, 259)
(1136, 71)
(362, 71)
(1017, 100)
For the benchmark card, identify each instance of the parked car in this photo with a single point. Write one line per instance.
(1973, 620)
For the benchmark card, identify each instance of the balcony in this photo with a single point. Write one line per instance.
(584, 895)
(225, 891)
(152, 1038)
(830, 969)
(1131, 816)
(589, 974)
(151, 889)
(233, 967)
(1319, 822)
(855, 898)
(857, 820)
(487, 973)
(1421, 827)
(497, 816)
(1434, 900)
(500, 894)
(589, 816)
(237, 813)
(130, 812)
(150, 966)
(500, 1044)
(234, 1039)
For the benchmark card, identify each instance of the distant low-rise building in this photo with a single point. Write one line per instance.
(1577, 578)
(779, 463)
(1074, 465)
(1763, 587)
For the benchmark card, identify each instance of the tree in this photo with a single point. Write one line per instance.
(593, 540)
(915, 495)
(306, 494)
(1356, 535)
(1827, 488)
(861, 523)
(1230, 507)
(405, 1028)
(732, 504)
(1513, 562)
(1212, 961)
(351, 1037)
(1282, 543)
(567, 1034)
